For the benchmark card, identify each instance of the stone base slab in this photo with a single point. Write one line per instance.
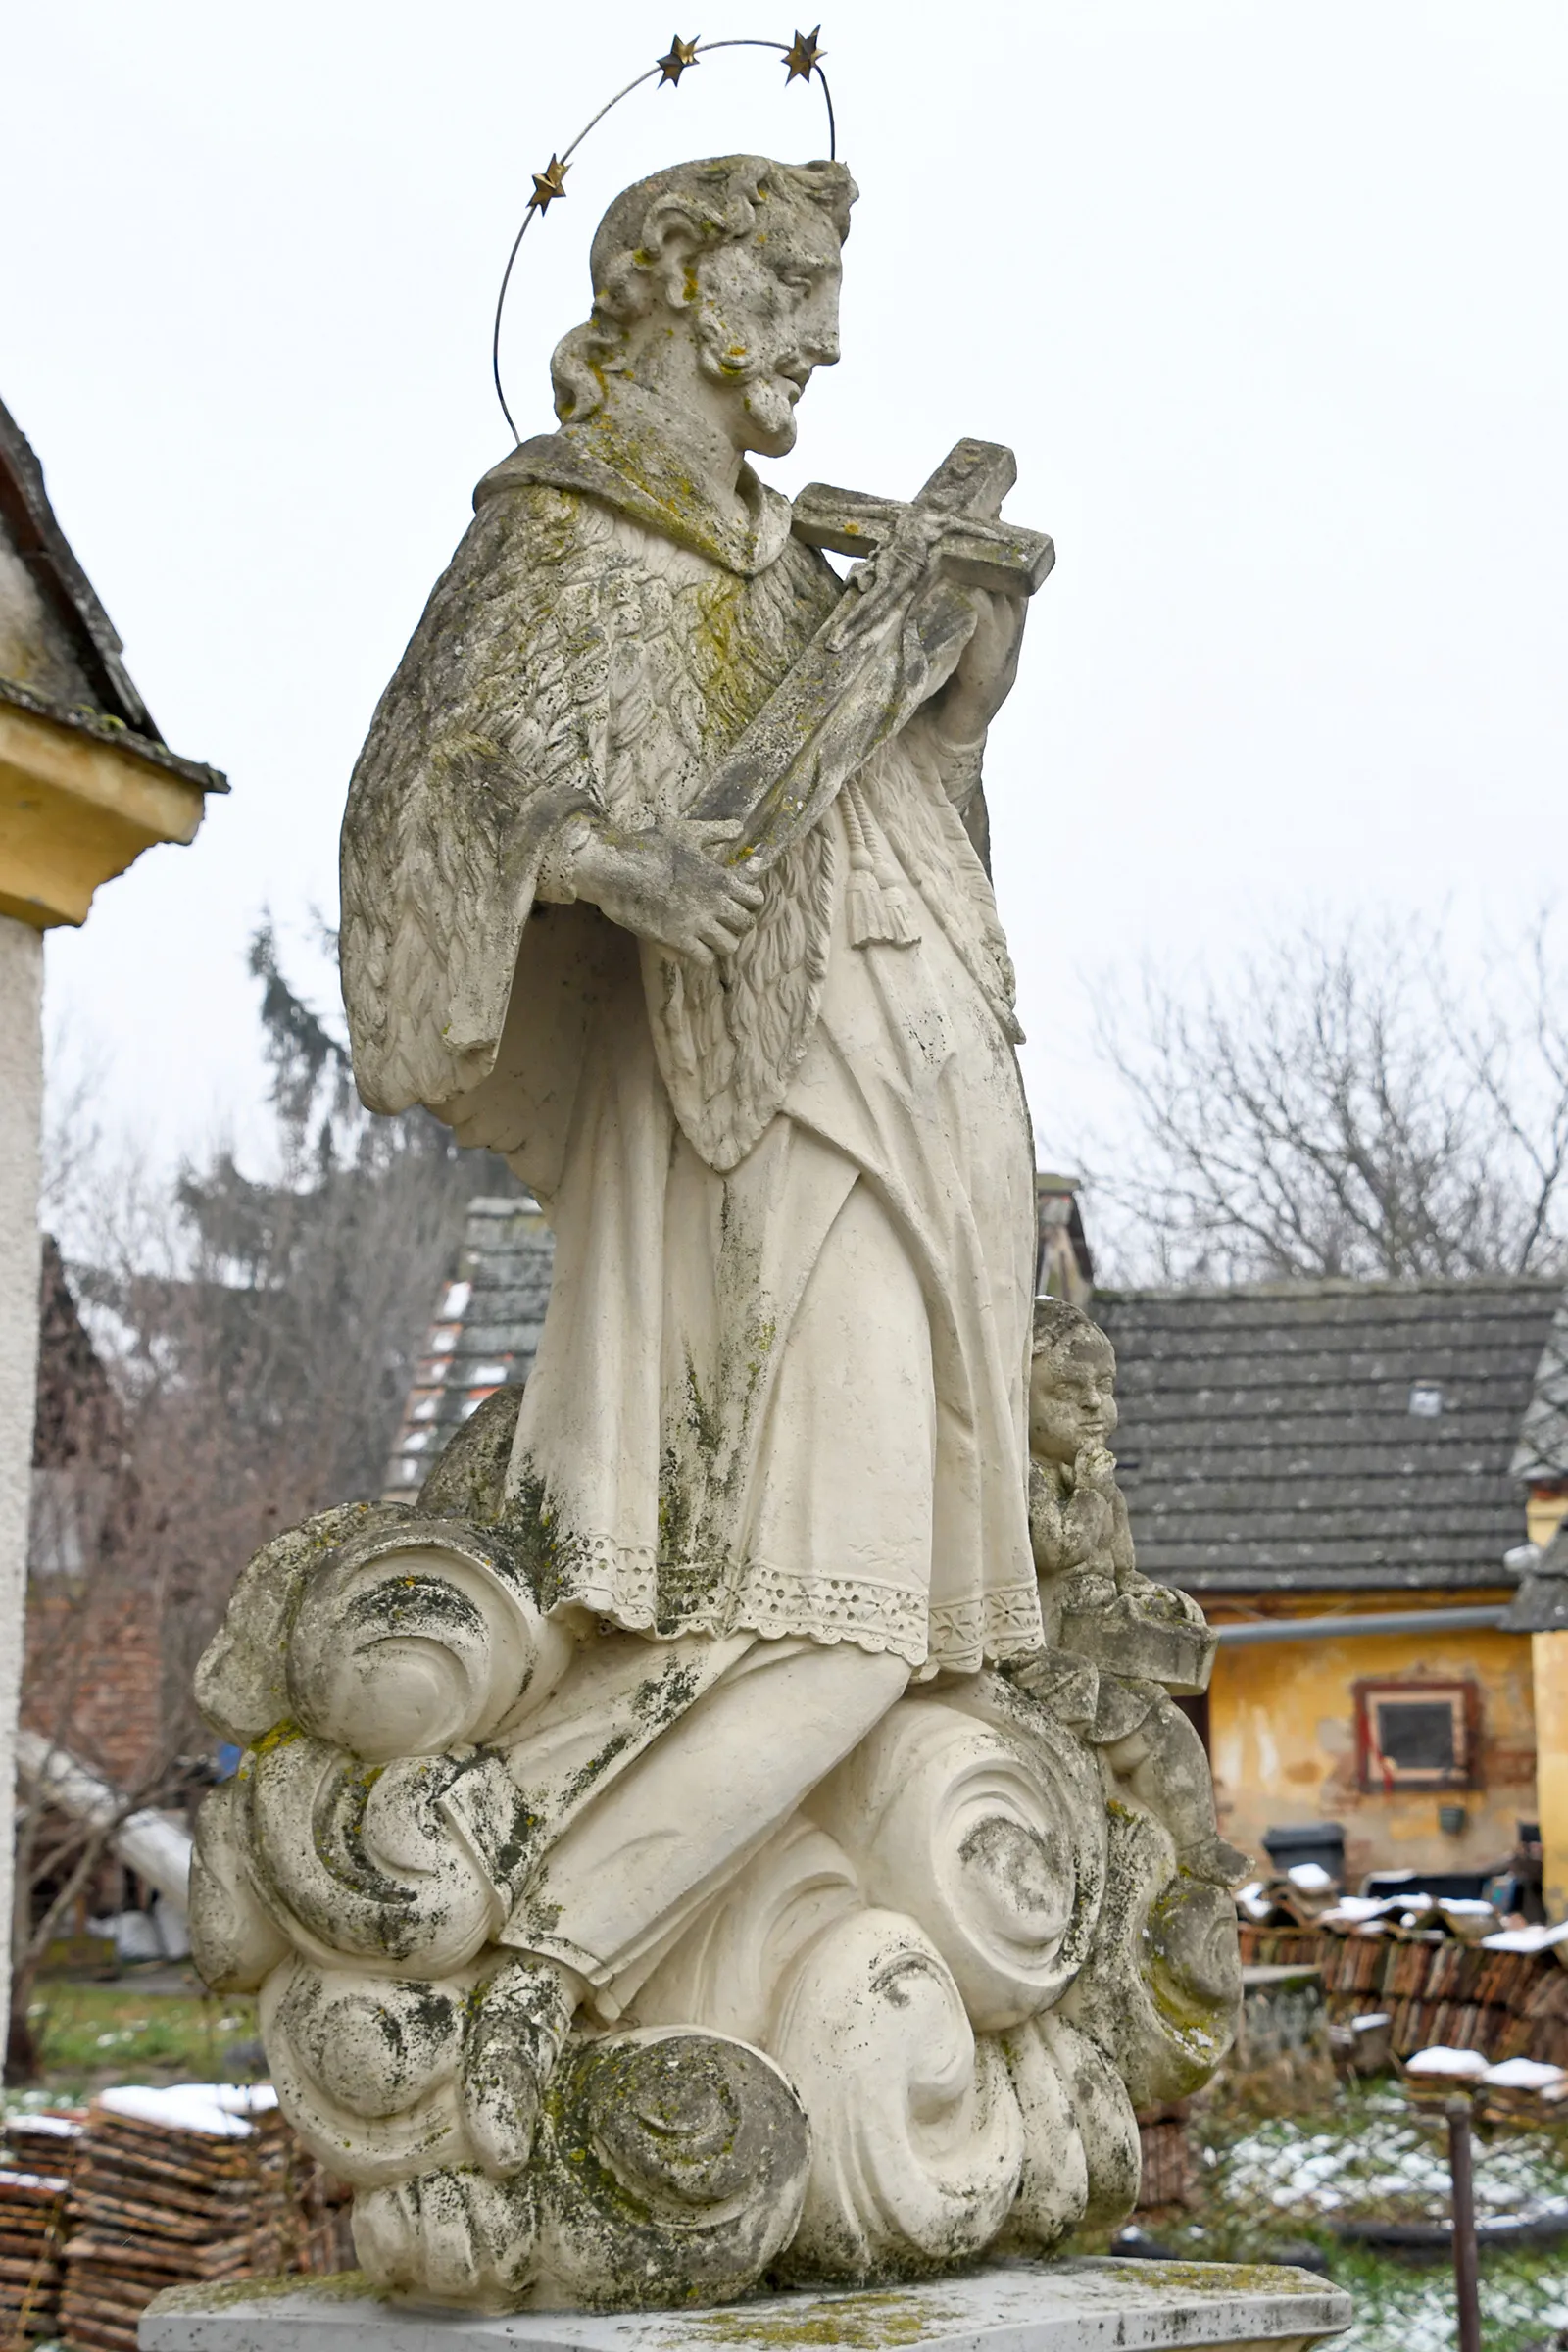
(1090, 2305)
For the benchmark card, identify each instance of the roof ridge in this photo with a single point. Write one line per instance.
(1333, 1286)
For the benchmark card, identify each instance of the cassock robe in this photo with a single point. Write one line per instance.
(782, 1384)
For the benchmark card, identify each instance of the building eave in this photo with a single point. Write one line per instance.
(80, 797)
(1264, 1584)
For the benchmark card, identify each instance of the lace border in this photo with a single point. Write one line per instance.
(959, 1635)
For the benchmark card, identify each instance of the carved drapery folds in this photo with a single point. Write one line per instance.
(913, 2026)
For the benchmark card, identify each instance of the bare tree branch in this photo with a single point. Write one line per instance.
(1339, 1109)
(260, 1334)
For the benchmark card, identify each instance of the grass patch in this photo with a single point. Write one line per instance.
(1271, 2182)
(89, 2036)
(1400, 2309)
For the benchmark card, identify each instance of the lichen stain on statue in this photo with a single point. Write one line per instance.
(735, 1825)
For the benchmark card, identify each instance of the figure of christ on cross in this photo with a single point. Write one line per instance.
(657, 878)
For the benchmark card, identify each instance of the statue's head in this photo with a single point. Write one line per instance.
(1072, 1383)
(729, 267)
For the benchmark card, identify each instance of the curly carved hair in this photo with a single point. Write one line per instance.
(1059, 1327)
(715, 203)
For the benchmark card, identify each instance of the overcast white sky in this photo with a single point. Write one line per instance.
(1268, 295)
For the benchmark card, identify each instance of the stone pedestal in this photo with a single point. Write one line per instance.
(1008, 2307)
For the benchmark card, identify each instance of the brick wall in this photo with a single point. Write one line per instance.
(93, 1673)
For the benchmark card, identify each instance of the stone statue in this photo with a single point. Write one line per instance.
(650, 1878)
(1117, 1645)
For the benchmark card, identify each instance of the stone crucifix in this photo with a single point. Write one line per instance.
(861, 677)
(969, 485)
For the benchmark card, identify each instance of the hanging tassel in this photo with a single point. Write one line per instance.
(876, 907)
(901, 929)
(862, 907)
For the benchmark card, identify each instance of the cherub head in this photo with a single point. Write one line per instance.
(1073, 1384)
(715, 285)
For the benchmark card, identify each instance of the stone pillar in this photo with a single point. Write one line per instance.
(1548, 1657)
(1540, 1608)
(21, 1119)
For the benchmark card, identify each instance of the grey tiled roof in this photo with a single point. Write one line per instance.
(1542, 1456)
(485, 1333)
(1273, 1437)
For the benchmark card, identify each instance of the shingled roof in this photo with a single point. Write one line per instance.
(1541, 1458)
(485, 1333)
(1326, 1436)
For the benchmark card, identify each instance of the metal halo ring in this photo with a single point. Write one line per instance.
(558, 163)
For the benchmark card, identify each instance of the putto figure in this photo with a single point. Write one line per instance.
(652, 1768)
(1117, 1645)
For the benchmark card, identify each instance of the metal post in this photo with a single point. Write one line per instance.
(1466, 2292)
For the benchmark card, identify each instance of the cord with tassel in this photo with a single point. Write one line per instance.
(876, 907)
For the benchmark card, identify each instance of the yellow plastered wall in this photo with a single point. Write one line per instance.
(1544, 1514)
(1282, 1739)
(1551, 1670)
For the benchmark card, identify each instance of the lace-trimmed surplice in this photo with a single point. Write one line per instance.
(782, 1381)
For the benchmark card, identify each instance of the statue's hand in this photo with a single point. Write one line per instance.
(1095, 1467)
(987, 666)
(664, 885)
(1161, 1603)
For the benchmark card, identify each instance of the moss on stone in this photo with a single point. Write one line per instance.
(863, 2322)
(1223, 2278)
(233, 2294)
(552, 1559)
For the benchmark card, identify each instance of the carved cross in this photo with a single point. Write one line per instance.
(857, 683)
(972, 480)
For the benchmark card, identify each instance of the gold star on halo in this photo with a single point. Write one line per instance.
(802, 57)
(547, 185)
(682, 55)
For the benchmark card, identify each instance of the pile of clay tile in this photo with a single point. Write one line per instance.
(1168, 2170)
(1439, 1973)
(1517, 2091)
(1524, 2091)
(34, 2182)
(198, 2182)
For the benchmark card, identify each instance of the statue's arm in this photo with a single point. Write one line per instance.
(483, 752)
(481, 786)
(662, 883)
(957, 718)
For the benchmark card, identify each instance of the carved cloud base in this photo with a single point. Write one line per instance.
(1081, 2306)
(908, 2027)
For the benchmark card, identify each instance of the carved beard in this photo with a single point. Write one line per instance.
(767, 393)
